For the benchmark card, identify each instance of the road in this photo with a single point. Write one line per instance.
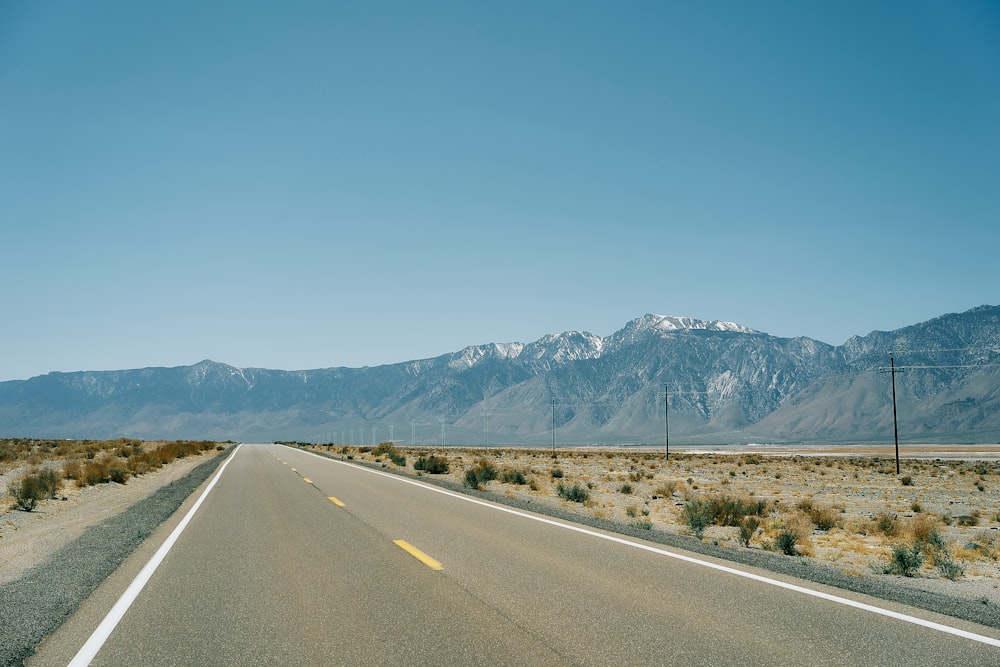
(295, 559)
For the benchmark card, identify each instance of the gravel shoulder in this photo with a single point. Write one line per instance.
(60, 555)
(29, 538)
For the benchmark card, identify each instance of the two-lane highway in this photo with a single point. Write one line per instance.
(297, 559)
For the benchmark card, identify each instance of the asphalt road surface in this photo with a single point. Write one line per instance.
(294, 559)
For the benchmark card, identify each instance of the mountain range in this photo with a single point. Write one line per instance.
(724, 383)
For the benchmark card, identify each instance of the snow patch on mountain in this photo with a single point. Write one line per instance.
(565, 347)
(676, 323)
(723, 385)
(474, 354)
(663, 325)
(234, 371)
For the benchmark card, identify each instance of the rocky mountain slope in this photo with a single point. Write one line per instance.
(726, 384)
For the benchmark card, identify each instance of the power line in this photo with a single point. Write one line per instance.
(948, 349)
(569, 404)
(956, 366)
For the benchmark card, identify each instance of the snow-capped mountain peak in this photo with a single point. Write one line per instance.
(565, 347)
(674, 323)
(473, 354)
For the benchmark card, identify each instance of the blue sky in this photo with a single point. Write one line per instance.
(310, 184)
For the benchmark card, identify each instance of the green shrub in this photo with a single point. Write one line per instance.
(575, 493)
(949, 569)
(696, 516)
(481, 473)
(389, 451)
(27, 491)
(471, 480)
(786, 543)
(384, 449)
(905, 560)
(557, 473)
(729, 511)
(626, 489)
(512, 476)
(435, 465)
(641, 524)
(117, 474)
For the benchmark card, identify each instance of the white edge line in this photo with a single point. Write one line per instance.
(93, 645)
(689, 559)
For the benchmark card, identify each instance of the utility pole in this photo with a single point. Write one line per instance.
(895, 422)
(892, 370)
(553, 428)
(666, 425)
(486, 429)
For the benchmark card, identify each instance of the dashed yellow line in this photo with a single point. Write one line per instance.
(294, 470)
(335, 501)
(307, 480)
(418, 554)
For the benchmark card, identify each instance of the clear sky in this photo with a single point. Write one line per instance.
(302, 185)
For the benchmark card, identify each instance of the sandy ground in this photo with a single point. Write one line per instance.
(855, 487)
(28, 538)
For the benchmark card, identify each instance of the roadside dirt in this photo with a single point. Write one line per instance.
(28, 538)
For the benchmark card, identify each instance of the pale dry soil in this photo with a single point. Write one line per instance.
(855, 486)
(29, 538)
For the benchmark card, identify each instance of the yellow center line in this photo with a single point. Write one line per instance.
(418, 554)
(307, 480)
(335, 501)
(294, 470)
